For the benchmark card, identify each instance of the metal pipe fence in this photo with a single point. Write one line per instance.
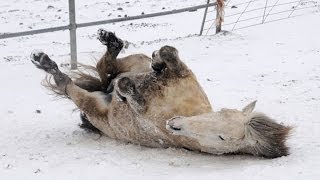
(268, 10)
(72, 27)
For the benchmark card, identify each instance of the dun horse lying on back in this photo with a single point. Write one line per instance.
(158, 102)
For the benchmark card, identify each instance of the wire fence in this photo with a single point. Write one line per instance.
(240, 15)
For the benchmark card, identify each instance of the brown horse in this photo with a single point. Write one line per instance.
(132, 97)
(135, 95)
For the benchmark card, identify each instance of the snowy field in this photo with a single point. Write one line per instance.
(276, 63)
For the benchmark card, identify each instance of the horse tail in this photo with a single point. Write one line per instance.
(86, 77)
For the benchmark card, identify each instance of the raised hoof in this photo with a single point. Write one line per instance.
(42, 61)
(110, 39)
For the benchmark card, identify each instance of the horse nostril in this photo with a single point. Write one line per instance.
(173, 126)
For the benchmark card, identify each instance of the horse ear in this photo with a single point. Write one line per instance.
(249, 108)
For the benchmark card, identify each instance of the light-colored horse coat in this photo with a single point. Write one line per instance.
(231, 130)
(140, 103)
(134, 96)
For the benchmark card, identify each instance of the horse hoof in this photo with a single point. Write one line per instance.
(109, 39)
(36, 57)
(102, 36)
(42, 61)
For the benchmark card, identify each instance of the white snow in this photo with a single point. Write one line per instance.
(276, 63)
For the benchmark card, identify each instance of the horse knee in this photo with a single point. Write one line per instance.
(126, 89)
(126, 86)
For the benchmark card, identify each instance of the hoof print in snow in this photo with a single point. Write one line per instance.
(50, 7)
(8, 166)
(37, 171)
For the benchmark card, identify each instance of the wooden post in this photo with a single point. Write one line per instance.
(218, 21)
(73, 34)
(220, 14)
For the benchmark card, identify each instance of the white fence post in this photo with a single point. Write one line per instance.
(73, 34)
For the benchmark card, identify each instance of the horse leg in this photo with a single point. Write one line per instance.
(93, 104)
(107, 70)
(86, 124)
(107, 66)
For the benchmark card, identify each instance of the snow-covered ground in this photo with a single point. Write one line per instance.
(277, 63)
